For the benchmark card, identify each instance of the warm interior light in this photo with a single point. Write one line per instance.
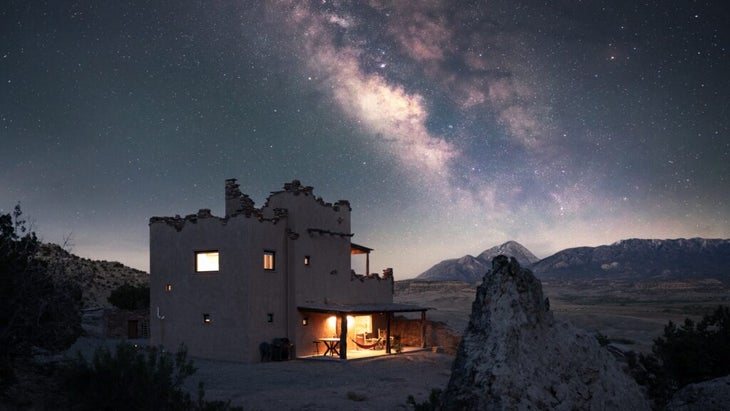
(363, 324)
(268, 260)
(206, 261)
(332, 325)
(168, 287)
(206, 318)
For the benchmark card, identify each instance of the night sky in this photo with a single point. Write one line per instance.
(450, 126)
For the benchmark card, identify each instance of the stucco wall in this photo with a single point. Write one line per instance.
(240, 296)
(237, 298)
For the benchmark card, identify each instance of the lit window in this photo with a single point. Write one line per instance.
(206, 261)
(206, 318)
(306, 260)
(269, 260)
(168, 287)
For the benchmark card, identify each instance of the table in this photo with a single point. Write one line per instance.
(332, 345)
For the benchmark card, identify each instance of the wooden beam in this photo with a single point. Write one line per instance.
(387, 332)
(343, 336)
(423, 329)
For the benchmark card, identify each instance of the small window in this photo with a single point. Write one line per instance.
(206, 319)
(307, 260)
(270, 317)
(168, 287)
(269, 258)
(206, 261)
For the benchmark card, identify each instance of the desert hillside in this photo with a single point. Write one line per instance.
(97, 278)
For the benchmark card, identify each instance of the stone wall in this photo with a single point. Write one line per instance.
(127, 324)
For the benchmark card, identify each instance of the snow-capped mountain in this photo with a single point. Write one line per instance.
(471, 269)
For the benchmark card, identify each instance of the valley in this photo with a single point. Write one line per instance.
(631, 313)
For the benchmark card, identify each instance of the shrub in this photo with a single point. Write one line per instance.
(690, 353)
(129, 379)
(129, 297)
(433, 403)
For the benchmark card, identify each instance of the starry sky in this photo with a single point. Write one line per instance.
(450, 126)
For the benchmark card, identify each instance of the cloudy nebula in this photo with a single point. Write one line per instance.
(450, 126)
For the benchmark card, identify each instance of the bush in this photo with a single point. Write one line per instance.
(129, 297)
(129, 379)
(693, 352)
(433, 403)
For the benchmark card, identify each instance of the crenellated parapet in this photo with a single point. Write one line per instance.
(237, 202)
(240, 204)
(296, 188)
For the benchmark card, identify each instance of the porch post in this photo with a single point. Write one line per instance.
(423, 329)
(343, 336)
(387, 332)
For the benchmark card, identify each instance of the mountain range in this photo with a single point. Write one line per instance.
(632, 259)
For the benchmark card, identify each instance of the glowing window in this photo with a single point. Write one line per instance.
(307, 260)
(269, 258)
(168, 287)
(206, 319)
(206, 261)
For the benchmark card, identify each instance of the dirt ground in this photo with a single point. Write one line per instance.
(375, 383)
(381, 383)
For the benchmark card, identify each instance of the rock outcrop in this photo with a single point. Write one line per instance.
(713, 395)
(514, 355)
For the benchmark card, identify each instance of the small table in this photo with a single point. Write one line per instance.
(332, 344)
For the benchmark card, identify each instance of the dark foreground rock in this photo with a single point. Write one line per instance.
(515, 356)
(713, 395)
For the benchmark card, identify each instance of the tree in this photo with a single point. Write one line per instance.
(129, 297)
(686, 354)
(39, 304)
(696, 352)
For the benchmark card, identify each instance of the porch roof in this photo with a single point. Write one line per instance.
(362, 308)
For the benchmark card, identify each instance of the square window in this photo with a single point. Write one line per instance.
(168, 287)
(206, 261)
(269, 259)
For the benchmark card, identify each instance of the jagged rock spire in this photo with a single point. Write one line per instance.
(515, 356)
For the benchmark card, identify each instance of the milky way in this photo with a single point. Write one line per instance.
(450, 126)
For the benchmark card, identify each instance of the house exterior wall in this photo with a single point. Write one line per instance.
(245, 303)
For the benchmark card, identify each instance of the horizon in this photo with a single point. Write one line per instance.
(449, 127)
(71, 251)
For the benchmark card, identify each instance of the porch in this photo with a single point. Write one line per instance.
(359, 354)
(357, 331)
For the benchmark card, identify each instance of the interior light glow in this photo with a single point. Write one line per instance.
(206, 261)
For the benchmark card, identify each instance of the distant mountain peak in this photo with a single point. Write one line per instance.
(471, 269)
(511, 249)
